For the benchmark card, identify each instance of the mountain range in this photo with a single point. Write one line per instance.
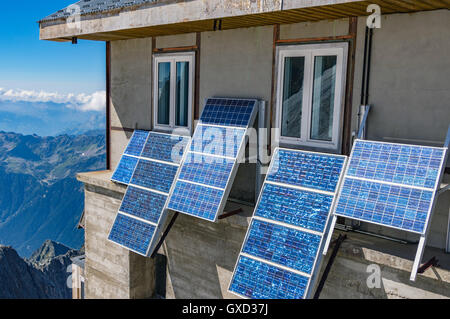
(40, 198)
(43, 276)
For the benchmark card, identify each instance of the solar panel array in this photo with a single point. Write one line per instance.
(281, 252)
(210, 166)
(391, 184)
(142, 212)
(128, 162)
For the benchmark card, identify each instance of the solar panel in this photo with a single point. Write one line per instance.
(142, 212)
(125, 169)
(209, 168)
(281, 253)
(391, 184)
(130, 157)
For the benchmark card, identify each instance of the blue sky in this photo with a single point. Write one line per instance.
(26, 63)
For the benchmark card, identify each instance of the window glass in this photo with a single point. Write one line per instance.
(323, 98)
(182, 94)
(294, 69)
(164, 93)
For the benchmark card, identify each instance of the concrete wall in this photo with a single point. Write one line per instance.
(111, 271)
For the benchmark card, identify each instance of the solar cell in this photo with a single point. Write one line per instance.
(288, 227)
(136, 143)
(390, 205)
(125, 169)
(306, 169)
(228, 112)
(196, 200)
(282, 245)
(217, 141)
(132, 233)
(143, 204)
(258, 280)
(207, 170)
(300, 208)
(164, 147)
(402, 164)
(154, 175)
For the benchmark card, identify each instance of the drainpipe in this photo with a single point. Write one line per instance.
(365, 83)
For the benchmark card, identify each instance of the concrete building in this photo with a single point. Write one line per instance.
(238, 49)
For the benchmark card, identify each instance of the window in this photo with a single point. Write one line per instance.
(310, 93)
(173, 87)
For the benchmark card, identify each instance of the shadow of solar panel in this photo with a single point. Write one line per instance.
(257, 280)
(396, 163)
(154, 175)
(196, 200)
(165, 147)
(310, 170)
(217, 141)
(207, 170)
(143, 204)
(125, 169)
(132, 234)
(136, 143)
(393, 206)
(304, 209)
(228, 112)
(281, 245)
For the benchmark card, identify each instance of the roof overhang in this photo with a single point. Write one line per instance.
(175, 17)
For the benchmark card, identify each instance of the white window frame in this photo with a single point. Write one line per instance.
(309, 52)
(173, 58)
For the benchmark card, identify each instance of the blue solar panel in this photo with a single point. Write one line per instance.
(143, 204)
(125, 169)
(395, 206)
(217, 141)
(132, 233)
(289, 225)
(136, 143)
(196, 200)
(154, 175)
(311, 170)
(257, 280)
(213, 143)
(308, 210)
(207, 170)
(402, 164)
(282, 245)
(228, 112)
(165, 147)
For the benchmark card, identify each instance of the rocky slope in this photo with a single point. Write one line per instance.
(44, 276)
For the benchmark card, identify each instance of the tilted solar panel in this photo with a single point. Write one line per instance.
(281, 253)
(143, 209)
(209, 168)
(130, 157)
(391, 184)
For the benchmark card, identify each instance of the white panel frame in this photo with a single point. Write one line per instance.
(318, 260)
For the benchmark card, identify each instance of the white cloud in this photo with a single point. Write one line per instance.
(83, 102)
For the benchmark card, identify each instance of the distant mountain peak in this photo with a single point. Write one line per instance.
(49, 250)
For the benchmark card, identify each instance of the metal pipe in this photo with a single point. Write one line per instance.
(369, 62)
(363, 84)
(397, 240)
